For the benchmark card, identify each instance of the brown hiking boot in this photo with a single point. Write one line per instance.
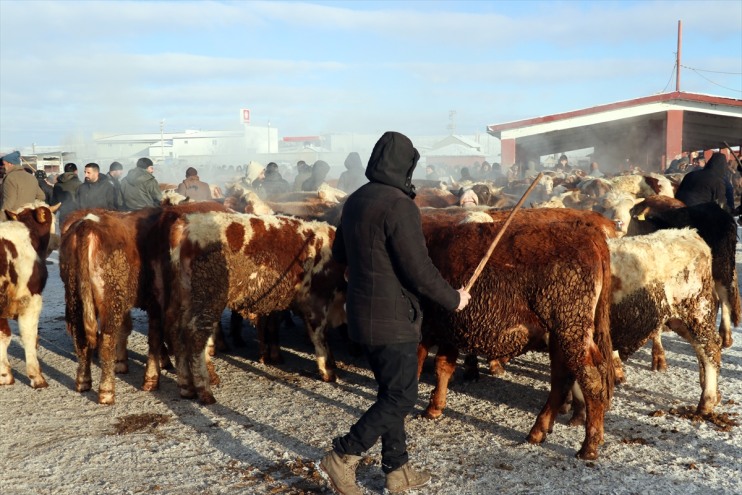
(340, 472)
(406, 478)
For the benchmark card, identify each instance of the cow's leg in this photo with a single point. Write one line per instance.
(122, 339)
(578, 406)
(708, 352)
(6, 373)
(497, 366)
(268, 342)
(213, 376)
(235, 329)
(325, 360)
(445, 365)
(659, 362)
(423, 348)
(152, 369)
(28, 326)
(619, 374)
(471, 367)
(197, 362)
(561, 382)
(107, 356)
(725, 325)
(83, 378)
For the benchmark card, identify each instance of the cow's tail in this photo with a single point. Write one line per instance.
(87, 299)
(736, 306)
(602, 334)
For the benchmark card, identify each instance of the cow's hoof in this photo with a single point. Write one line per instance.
(536, 436)
(588, 454)
(329, 377)
(83, 386)
(187, 392)
(496, 368)
(121, 367)
(659, 366)
(206, 398)
(39, 382)
(432, 413)
(150, 385)
(106, 398)
(7, 379)
(727, 341)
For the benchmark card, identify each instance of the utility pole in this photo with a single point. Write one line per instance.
(677, 61)
(451, 123)
(162, 140)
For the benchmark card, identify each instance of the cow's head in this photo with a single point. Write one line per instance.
(39, 219)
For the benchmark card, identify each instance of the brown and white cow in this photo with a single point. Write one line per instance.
(254, 265)
(544, 277)
(719, 229)
(109, 264)
(24, 239)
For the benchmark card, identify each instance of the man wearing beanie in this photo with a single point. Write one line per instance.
(115, 171)
(65, 191)
(19, 187)
(139, 188)
(193, 187)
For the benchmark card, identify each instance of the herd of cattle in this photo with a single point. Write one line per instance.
(590, 272)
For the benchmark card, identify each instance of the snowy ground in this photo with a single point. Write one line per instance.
(271, 424)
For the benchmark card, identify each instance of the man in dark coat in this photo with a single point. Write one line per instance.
(139, 188)
(353, 177)
(273, 183)
(115, 171)
(45, 186)
(97, 191)
(320, 169)
(380, 239)
(193, 187)
(65, 191)
(706, 185)
(303, 172)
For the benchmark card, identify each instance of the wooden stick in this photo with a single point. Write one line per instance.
(491, 249)
(732, 153)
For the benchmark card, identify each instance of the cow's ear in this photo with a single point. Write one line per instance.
(42, 215)
(10, 215)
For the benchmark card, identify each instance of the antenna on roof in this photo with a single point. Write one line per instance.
(677, 62)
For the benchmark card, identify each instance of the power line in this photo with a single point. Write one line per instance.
(714, 71)
(670, 80)
(712, 82)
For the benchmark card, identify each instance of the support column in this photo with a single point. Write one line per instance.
(507, 152)
(674, 134)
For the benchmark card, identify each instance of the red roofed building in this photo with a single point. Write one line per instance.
(649, 131)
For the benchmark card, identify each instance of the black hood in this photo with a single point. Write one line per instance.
(717, 164)
(392, 162)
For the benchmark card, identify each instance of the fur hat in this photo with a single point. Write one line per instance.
(253, 171)
(14, 158)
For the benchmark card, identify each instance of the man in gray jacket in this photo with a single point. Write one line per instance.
(380, 239)
(19, 186)
(139, 188)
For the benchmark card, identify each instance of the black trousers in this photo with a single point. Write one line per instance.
(395, 370)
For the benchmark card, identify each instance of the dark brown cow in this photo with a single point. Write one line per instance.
(549, 276)
(254, 265)
(23, 243)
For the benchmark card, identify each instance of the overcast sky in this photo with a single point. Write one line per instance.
(71, 68)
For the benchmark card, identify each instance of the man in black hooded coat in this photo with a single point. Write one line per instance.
(706, 185)
(380, 239)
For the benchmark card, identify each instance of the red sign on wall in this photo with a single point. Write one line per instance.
(245, 115)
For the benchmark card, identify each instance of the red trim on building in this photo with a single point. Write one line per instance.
(674, 96)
